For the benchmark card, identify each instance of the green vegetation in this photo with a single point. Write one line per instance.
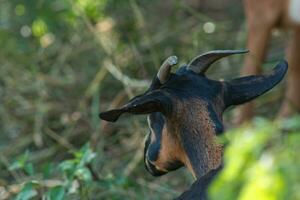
(62, 61)
(261, 162)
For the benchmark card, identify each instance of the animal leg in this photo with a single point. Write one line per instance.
(257, 42)
(291, 102)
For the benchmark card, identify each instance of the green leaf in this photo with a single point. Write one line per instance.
(56, 193)
(68, 167)
(27, 192)
(39, 27)
(84, 155)
(29, 169)
(47, 170)
(87, 155)
(20, 162)
(84, 174)
(291, 123)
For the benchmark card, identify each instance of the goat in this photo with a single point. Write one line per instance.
(185, 116)
(263, 16)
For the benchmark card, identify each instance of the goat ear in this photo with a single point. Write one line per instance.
(202, 62)
(143, 104)
(241, 90)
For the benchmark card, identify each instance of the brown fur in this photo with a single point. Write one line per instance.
(171, 150)
(214, 150)
(195, 116)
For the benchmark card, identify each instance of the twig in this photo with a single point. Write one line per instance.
(95, 139)
(61, 140)
(129, 82)
(18, 144)
(96, 82)
(110, 57)
(134, 161)
(141, 23)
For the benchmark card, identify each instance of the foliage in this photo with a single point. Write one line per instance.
(77, 177)
(261, 162)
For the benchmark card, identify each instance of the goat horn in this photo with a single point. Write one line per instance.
(202, 62)
(244, 89)
(163, 74)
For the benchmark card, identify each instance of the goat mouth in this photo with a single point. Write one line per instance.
(152, 169)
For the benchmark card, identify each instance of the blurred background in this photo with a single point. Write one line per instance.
(64, 61)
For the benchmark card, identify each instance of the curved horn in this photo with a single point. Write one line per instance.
(202, 62)
(244, 89)
(163, 74)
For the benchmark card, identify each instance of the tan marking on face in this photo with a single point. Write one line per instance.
(169, 149)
